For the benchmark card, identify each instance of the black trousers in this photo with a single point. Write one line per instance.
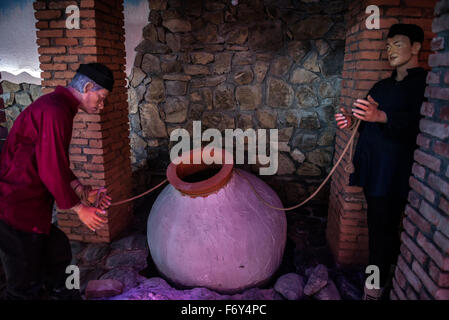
(34, 262)
(384, 216)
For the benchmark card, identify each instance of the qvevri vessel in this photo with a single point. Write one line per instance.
(207, 228)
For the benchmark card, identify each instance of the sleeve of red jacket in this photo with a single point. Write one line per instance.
(52, 157)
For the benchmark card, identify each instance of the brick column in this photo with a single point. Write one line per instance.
(3, 130)
(365, 63)
(99, 151)
(423, 265)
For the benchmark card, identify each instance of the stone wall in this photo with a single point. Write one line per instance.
(16, 98)
(260, 64)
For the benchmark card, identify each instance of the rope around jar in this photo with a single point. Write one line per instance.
(349, 168)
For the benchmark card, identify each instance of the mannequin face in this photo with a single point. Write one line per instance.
(93, 101)
(400, 51)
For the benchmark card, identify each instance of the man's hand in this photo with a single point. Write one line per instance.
(105, 201)
(88, 216)
(343, 119)
(367, 110)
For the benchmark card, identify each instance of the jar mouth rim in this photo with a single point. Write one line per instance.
(184, 165)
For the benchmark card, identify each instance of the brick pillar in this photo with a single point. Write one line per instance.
(365, 63)
(3, 130)
(99, 151)
(423, 265)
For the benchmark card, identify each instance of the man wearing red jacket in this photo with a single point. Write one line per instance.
(35, 172)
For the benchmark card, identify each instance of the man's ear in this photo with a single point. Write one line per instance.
(87, 87)
(416, 47)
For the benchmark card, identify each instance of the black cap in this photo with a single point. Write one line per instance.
(98, 73)
(412, 31)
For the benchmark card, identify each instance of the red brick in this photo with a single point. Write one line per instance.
(65, 58)
(431, 214)
(83, 50)
(423, 141)
(414, 199)
(411, 277)
(406, 254)
(444, 205)
(442, 294)
(441, 148)
(64, 75)
(425, 279)
(444, 113)
(414, 12)
(47, 14)
(418, 171)
(54, 83)
(51, 50)
(427, 109)
(417, 252)
(53, 66)
(39, 5)
(423, 190)
(81, 33)
(438, 184)
(409, 228)
(436, 129)
(49, 33)
(440, 23)
(79, 141)
(437, 44)
(78, 158)
(441, 241)
(61, 4)
(68, 223)
(417, 219)
(93, 151)
(427, 160)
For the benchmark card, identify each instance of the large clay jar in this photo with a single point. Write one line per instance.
(215, 232)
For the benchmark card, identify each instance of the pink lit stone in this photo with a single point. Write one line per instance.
(226, 241)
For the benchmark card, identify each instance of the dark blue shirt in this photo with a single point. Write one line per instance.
(383, 157)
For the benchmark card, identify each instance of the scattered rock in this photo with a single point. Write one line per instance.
(103, 288)
(137, 259)
(317, 280)
(291, 286)
(177, 25)
(95, 252)
(329, 292)
(23, 98)
(132, 242)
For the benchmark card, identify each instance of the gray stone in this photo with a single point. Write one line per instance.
(236, 34)
(157, 5)
(280, 94)
(149, 32)
(137, 76)
(191, 69)
(332, 64)
(208, 35)
(248, 97)
(95, 252)
(224, 98)
(171, 67)
(292, 118)
(203, 57)
(137, 143)
(308, 169)
(217, 121)
(266, 36)
(309, 121)
(152, 125)
(213, 17)
(174, 42)
(8, 98)
(280, 66)
(175, 109)
(301, 76)
(322, 46)
(290, 285)
(245, 121)
(298, 49)
(337, 32)
(176, 88)
(305, 141)
(311, 28)
(156, 91)
(176, 77)
(149, 46)
(267, 118)
(327, 138)
(12, 112)
(285, 134)
(10, 86)
(243, 76)
(151, 64)
(298, 156)
(35, 91)
(87, 274)
(132, 101)
(260, 70)
(242, 58)
(103, 288)
(326, 90)
(140, 92)
(206, 94)
(23, 98)
(77, 247)
(317, 280)
(135, 259)
(312, 63)
(212, 5)
(320, 157)
(306, 97)
(223, 62)
(126, 275)
(134, 122)
(207, 81)
(177, 25)
(285, 165)
(196, 111)
(329, 292)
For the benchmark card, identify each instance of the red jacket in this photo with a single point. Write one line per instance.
(34, 164)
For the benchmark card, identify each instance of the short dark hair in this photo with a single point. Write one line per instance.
(412, 31)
